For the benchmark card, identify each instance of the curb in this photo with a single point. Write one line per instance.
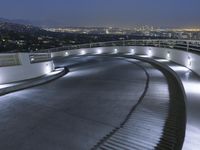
(33, 83)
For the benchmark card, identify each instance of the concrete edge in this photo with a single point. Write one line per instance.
(33, 83)
(174, 74)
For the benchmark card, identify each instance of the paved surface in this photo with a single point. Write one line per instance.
(144, 127)
(75, 111)
(191, 83)
(16, 86)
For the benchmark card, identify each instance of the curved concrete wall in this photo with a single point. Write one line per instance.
(190, 60)
(25, 70)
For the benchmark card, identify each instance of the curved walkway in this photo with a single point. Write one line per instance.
(158, 122)
(125, 99)
(75, 111)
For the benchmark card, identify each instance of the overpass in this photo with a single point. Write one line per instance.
(138, 94)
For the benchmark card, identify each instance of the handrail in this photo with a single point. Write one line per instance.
(9, 60)
(186, 45)
(39, 57)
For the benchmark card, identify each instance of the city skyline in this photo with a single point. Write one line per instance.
(116, 13)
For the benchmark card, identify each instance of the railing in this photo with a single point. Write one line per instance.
(9, 60)
(39, 57)
(186, 45)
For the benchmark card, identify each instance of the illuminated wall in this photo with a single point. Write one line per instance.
(25, 70)
(184, 58)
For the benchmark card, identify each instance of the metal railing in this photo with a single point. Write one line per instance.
(186, 45)
(39, 57)
(9, 60)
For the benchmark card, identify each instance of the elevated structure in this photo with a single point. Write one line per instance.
(171, 116)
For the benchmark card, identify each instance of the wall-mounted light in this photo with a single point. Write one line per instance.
(99, 51)
(115, 51)
(149, 53)
(83, 52)
(168, 56)
(47, 68)
(32, 59)
(66, 54)
(132, 51)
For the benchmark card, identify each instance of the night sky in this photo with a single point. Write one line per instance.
(119, 13)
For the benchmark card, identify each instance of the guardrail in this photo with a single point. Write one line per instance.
(9, 60)
(39, 57)
(186, 45)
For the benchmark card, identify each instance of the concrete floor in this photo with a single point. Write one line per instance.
(75, 111)
(191, 83)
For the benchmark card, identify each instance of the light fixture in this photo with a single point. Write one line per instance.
(66, 54)
(168, 55)
(47, 68)
(32, 59)
(149, 53)
(83, 52)
(115, 51)
(132, 51)
(99, 51)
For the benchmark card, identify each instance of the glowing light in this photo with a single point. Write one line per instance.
(168, 56)
(179, 68)
(32, 59)
(66, 54)
(83, 52)
(192, 87)
(132, 51)
(55, 71)
(144, 56)
(162, 60)
(99, 51)
(115, 51)
(149, 53)
(7, 85)
(47, 69)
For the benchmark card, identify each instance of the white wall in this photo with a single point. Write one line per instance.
(25, 70)
(178, 56)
